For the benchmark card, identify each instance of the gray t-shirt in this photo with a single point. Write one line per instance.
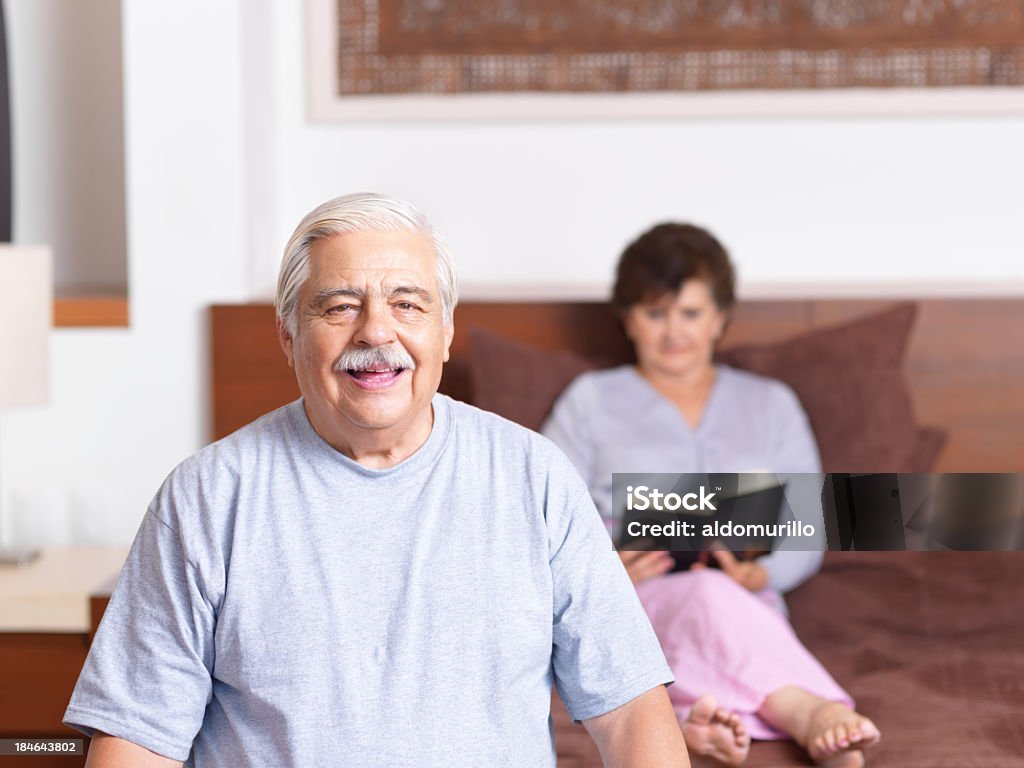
(283, 605)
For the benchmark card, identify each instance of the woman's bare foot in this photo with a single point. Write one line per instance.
(836, 735)
(832, 733)
(715, 733)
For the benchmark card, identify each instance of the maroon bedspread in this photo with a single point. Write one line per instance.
(931, 645)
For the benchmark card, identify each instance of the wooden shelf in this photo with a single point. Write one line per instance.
(49, 610)
(90, 312)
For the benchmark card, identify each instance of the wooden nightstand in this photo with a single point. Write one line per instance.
(46, 623)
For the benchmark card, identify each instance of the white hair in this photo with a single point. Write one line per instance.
(360, 212)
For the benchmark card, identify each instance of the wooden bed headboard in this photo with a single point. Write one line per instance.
(965, 364)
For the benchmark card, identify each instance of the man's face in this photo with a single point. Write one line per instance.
(370, 336)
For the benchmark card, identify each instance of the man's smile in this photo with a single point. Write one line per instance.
(375, 379)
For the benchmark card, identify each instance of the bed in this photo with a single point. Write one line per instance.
(930, 644)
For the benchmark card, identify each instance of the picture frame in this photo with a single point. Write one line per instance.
(326, 103)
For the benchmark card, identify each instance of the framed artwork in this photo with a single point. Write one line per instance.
(562, 58)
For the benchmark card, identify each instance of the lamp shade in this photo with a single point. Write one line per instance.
(26, 316)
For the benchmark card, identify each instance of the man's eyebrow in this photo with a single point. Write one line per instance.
(320, 297)
(411, 290)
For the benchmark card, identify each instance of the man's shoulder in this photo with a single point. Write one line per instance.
(222, 462)
(267, 430)
(487, 431)
(525, 466)
(474, 422)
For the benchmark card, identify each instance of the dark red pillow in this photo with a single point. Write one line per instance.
(850, 381)
(516, 380)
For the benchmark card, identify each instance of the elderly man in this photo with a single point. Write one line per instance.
(374, 574)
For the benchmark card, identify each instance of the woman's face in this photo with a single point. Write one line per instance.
(676, 334)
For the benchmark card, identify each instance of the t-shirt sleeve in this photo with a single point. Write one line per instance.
(605, 652)
(147, 678)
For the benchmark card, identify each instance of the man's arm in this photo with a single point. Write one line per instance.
(107, 751)
(643, 732)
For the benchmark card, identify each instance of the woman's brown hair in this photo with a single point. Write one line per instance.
(666, 256)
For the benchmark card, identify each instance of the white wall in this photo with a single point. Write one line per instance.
(807, 200)
(127, 405)
(221, 164)
(67, 137)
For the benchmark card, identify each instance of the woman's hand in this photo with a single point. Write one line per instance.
(747, 573)
(645, 565)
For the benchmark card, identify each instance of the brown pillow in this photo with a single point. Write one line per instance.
(850, 381)
(516, 380)
(848, 378)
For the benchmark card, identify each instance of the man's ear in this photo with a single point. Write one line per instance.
(449, 334)
(284, 336)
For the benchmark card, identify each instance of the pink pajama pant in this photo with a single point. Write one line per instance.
(720, 638)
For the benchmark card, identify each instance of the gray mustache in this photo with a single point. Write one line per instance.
(363, 358)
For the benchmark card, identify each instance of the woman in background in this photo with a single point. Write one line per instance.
(740, 670)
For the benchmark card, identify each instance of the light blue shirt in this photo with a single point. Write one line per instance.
(615, 421)
(283, 605)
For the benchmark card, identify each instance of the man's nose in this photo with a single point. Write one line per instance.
(376, 326)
